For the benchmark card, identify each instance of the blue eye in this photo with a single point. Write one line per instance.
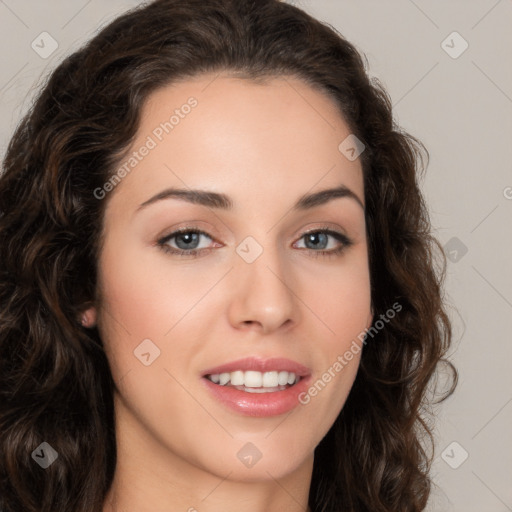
(320, 237)
(187, 240)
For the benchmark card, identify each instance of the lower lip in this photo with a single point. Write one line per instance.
(258, 404)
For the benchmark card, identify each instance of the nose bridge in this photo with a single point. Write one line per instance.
(263, 293)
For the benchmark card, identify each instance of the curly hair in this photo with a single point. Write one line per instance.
(55, 380)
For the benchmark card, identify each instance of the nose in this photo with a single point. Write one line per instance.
(263, 296)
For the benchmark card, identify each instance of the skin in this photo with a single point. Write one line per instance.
(264, 145)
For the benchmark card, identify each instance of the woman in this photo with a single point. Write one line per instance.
(219, 286)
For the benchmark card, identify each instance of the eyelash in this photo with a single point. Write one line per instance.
(345, 243)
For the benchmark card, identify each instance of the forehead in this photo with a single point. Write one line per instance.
(220, 132)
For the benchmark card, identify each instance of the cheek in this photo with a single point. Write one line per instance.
(341, 300)
(347, 305)
(145, 293)
(131, 307)
(148, 297)
(340, 297)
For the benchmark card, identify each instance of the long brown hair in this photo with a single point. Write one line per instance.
(55, 381)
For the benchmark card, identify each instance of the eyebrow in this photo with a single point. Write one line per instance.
(222, 201)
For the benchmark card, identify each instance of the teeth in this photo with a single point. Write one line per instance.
(237, 378)
(224, 378)
(252, 379)
(270, 379)
(282, 378)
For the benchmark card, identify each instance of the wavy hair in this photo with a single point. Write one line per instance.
(55, 381)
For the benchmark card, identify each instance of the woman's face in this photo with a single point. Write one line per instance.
(254, 286)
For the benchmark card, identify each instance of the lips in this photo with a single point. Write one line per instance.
(260, 365)
(274, 401)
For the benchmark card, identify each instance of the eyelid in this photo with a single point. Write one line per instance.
(187, 229)
(323, 227)
(195, 226)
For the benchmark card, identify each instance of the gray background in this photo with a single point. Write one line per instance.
(460, 106)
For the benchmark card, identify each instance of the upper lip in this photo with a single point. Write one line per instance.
(260, 365)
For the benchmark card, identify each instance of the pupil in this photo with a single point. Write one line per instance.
(313, 236)
(190, 237)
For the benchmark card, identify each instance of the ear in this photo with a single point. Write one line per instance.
(88, 318)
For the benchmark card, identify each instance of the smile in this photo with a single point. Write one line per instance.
(257, 387)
